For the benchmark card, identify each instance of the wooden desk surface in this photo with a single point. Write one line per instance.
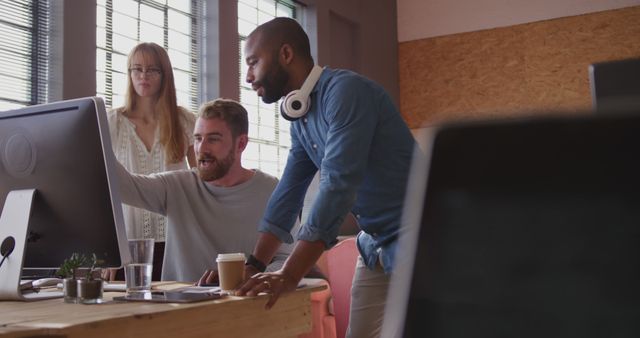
(227, 317)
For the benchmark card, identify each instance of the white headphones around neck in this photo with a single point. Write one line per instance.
(296, 104)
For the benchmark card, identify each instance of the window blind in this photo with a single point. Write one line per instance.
(24, 53)
(268, 131)
(173, 24)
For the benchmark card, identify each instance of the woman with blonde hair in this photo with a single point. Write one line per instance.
(151, 134)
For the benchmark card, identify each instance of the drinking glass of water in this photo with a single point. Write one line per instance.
(137, 273)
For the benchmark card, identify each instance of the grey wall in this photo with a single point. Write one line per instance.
(220, 51)
(73, 49)
(360, 35)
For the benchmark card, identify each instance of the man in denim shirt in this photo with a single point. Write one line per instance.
(356, 137)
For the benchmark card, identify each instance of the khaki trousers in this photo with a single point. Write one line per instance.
(368, 298)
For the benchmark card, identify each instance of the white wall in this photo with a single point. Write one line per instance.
(419, 19)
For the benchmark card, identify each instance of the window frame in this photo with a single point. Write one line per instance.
(36, 22)
(260, 146)
(197, 20)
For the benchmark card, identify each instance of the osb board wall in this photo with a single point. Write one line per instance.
(517, 70)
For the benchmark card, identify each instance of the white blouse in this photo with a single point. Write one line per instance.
(132, 153)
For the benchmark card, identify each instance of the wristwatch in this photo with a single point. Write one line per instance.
(253, 261)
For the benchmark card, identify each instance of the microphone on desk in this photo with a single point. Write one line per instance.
(8, 244)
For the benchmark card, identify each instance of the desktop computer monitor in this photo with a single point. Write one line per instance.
(521, 229)
(615, 85)
(63, 151)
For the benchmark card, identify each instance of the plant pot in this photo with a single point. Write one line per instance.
(90, 291)
(70, 290)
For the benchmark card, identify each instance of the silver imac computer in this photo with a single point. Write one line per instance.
(522, 228)
(57, 192)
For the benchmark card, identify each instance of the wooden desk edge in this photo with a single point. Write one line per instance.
(122, 318)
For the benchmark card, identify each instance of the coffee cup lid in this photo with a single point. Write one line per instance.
(230, 257)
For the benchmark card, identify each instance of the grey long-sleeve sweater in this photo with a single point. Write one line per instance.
(203, 219)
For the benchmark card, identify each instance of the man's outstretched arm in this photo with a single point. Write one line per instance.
(304, 256)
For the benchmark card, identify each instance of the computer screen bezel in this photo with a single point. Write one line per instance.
(95, 107)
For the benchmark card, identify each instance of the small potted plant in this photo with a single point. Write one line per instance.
(90, 288)
(69, 271)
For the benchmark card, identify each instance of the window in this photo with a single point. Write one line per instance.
(122, 24)
(269, 132)
(24, 53)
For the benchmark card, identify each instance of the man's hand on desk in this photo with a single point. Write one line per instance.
(210, 277)
(109, 274)
(249, 271)
(274, 283)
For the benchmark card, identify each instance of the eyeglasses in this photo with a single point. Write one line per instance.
(150, 72)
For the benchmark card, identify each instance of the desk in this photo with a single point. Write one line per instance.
(227, 317)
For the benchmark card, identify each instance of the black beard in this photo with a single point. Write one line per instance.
(220, 167)
(274, 83)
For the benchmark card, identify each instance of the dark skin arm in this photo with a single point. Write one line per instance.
(264, 251)
(301, 260)
(211, 276)
(304, 256)
(208, 278)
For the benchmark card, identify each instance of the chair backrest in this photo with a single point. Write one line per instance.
(340, 266)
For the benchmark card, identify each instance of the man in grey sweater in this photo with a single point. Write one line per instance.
(212, 209)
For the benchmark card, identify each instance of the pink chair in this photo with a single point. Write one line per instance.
(340, 264)
(323, 322)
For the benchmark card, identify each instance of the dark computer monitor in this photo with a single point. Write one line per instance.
(615, 85)
(63, 151)
(522, 229)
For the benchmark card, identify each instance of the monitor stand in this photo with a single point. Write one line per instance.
(14, 223)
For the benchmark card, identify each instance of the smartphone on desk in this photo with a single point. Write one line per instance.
(170, 297)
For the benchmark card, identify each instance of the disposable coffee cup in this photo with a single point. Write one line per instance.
(230, 270)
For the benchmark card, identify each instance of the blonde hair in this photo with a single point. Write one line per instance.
(172, 136)
(229, 111)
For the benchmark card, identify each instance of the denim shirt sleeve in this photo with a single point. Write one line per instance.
(351, 114)
(286, 201)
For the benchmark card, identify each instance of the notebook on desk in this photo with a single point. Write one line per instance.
(522, 228)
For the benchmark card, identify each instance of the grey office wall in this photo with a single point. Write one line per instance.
(73, 49)
(359, 35)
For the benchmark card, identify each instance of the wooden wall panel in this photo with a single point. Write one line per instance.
(517, 70)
